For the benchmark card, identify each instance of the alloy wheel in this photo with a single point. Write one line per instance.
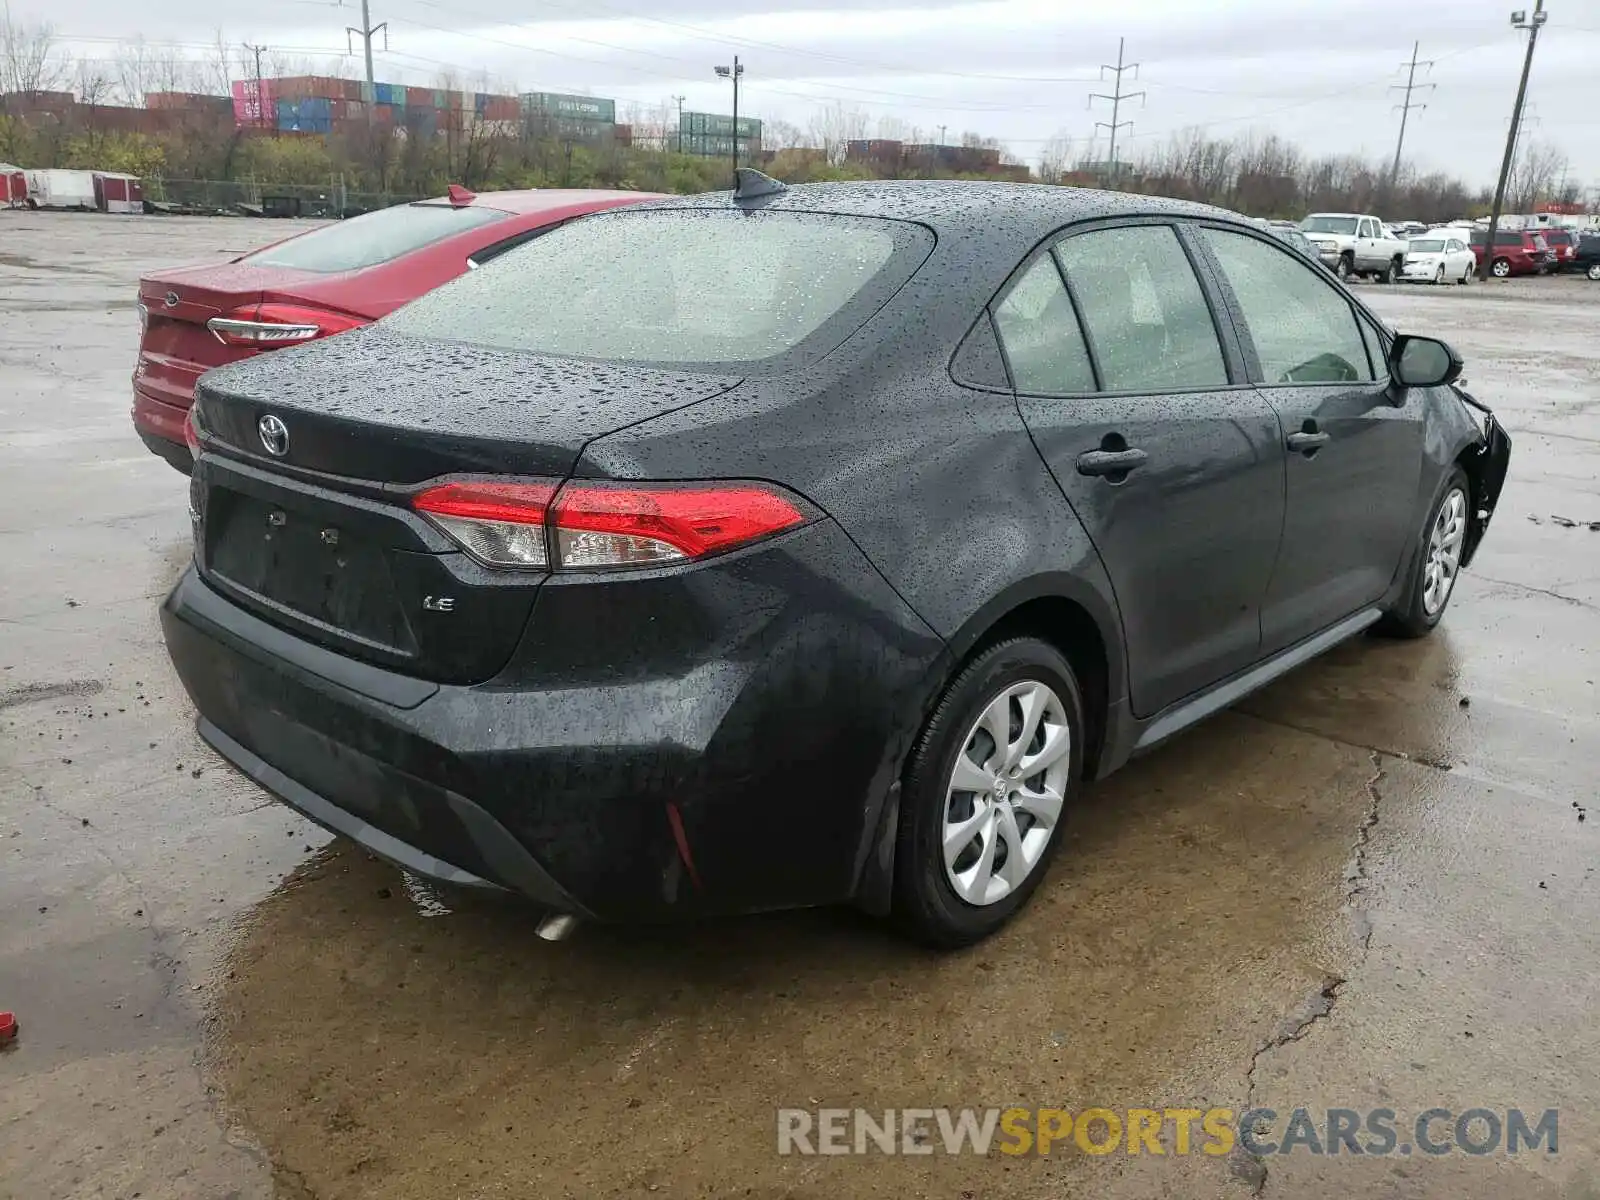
(1438, 276)
(1594, 271)
(1501, 268)
(1444, 552)
(1005, 792)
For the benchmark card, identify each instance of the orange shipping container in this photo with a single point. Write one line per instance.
(419, 97)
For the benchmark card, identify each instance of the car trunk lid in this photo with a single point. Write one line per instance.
(176, 347)
(322, 539)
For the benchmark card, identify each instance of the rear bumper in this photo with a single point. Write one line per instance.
(160, 427)
(614, 780)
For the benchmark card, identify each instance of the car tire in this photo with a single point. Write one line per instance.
(1441, 544)
(1007, 681)
(1466, 277)
(1387, 274)
(1346, 268)
(1594, 272)
(1500, 268)
(1438, 276)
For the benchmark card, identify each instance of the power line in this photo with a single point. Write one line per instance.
(261, 107)
(1410, 85)
(1117, 96)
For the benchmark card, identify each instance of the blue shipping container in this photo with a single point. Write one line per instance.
(316, 108)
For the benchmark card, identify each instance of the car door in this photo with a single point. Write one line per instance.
(1367, 253)
(1173, 464)
(1353, 440)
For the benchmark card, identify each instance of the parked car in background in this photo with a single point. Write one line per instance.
(321, 283)
(1586, 256)
(1516, 252)
(1355, 244)
(1291, 235)
(1563, 244)
(1433, 258)
(595, 576)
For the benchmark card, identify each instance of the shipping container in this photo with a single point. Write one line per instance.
(419, 97)
(13, 185)
(719, 125)
(502, 108)
(558, 104)
(115, 192)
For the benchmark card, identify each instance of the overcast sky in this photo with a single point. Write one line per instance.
(1020, 70)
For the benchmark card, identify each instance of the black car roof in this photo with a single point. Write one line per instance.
(1021, 212)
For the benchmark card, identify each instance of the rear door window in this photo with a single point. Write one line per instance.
(1043, 344)
(1148, 323)
(713, 287)
(374, 238)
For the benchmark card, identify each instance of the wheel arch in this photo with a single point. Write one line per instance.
(1070, 613)
(1075, 618)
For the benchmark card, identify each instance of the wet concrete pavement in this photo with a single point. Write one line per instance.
(1367, 886)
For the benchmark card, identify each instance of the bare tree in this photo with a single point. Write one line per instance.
(833, 126)
(778, 134)
(1056, 159)
(30, 60)
(1535, 174)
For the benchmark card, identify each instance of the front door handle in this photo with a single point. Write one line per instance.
(1110, 462)
(1307, 442)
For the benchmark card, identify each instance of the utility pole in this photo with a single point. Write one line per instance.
(680, 100)
(1117, 96)
(1411, 85)
(942, 128)
(1519, 20)
(261, 108)
(733, 73)
(366, 34)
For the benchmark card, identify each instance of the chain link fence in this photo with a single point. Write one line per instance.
(249, 197)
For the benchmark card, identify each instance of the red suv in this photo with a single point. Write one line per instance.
(318, 284)
(1516, 252)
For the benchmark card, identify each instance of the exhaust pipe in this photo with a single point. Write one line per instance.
(557, 927)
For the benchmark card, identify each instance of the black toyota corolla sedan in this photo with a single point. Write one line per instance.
(810, 545)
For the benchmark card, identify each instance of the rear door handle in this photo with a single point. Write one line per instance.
(1110, 462)
(1306, 443)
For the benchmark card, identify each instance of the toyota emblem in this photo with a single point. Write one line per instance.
(172, 300)
(274, 435)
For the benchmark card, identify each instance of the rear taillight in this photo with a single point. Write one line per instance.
(501, 524)
(191, 433)
(261, 327)
(600, 526)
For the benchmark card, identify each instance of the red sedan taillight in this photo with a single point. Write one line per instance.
(597, 526)
(264, 326)
(191, 433)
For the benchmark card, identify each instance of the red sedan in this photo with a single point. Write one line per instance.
(321, 283)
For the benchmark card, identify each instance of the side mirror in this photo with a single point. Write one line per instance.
(1423, 362)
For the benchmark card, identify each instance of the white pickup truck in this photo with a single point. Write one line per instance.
(1356, 244)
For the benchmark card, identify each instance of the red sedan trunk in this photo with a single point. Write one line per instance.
(318, 284)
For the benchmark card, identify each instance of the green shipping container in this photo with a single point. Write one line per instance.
(557, 104)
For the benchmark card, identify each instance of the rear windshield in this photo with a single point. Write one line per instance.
(1329, 225)
(374, 238)
(1557, 238)
(1427, 245)
(680, 286)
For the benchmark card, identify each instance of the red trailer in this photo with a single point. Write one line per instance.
(13, 186)
(117, 193)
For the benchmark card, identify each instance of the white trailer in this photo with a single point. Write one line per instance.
(61, 189)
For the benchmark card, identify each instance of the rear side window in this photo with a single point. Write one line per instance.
(1040, 333)
(1147, 318)
(685, 286)
(1304, 331)
(374, 238)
